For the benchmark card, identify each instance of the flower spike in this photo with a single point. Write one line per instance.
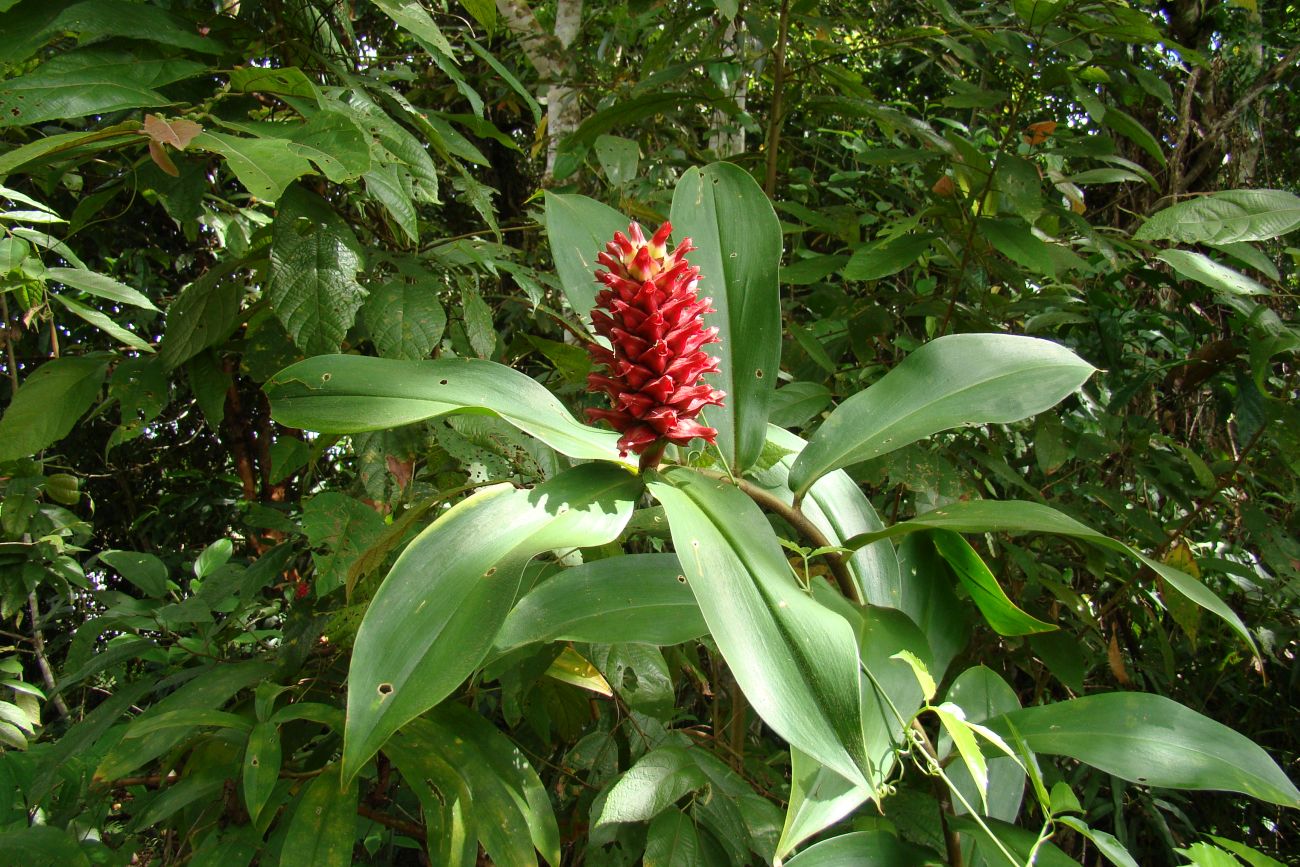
(653, 318)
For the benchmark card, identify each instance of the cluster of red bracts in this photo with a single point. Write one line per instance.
(653, 319)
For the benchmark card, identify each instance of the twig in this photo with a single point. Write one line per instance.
(806, 528)
(9, 340)
(47, 673)
(410, 828)
(778, 85)
(951, 841)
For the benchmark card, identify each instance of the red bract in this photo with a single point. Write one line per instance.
(652, 317)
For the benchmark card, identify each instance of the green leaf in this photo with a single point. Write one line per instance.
(322, 830)
(1225, 217)
(261, 767)
(203, 315)
(673, 841)
(89, 81)
(1251, 856)
(796, 403)
(618, 158)
(993, 837)
(1016, 516)
(864, 849)
(143, 570)
(954, 380)
(121, 133)
(343, 525)
(405, 320)
(819, 798)
(1151, 740)
(49, 403)
(1112, 848)
(434, 618)
(919, 671)
(333, 142)
(104, 324)
(578, 229)
(284, 81)
(954, 725)
(263, 165)
(640, 598)
(795, 660)
(99, 285)
(351, 394)
(212, 558)
(484, 12)
(1129, 127)
(314, 261)
(724, 211)
(982, 694)
(187, 718)
(885, 258)
(41, 845)
(1037, 13)
(1206, 271)
(479, 327)
(1000, 612)
(1019, 244)
(411, 16)
(652, 785)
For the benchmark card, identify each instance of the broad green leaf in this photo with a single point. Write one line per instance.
(100, 285)
(314, 262)
(104, 324)
(578, 229)
(203, 315)
(1037, 13)
(404, 320)
(285, 81)
(345, 527)
(729, 218)
(1019, 244)
(143, 570)
(479, 327)
(484, 12)
(333, 142)
(1203, 854)
(795, 660)
(446, 802)
(884, 258)
(1151, 740)
(322, 829)
(954, 380)
(926, 596)
(352, 393)
(212, 558)
(1225, 217)
(1129, 127)
(864, 849)
(50, 146)
(89, 81)
(389, 185)
(263, 165)
(618, 158)
(42, 844)
(673, 841)
(1112, 848)
(434, 618)
(1251, 856)
(1001, 613)
(261, 767)
(411, 16)
(819, 798)
(1202, 269)
(641, 598)
(994, 839)
(982, 695)
(49, 403)
(187, 718)
(798, 402)
(837, 506)
(209, 689)
(1017, 516)
(507, 806)
(652, 785)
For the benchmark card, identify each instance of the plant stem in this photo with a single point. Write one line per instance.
(9, 340)
(806, 528)
(42, 662)
(951, 841)
(778, 86)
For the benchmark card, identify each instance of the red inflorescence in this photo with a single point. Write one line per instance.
(652, 317)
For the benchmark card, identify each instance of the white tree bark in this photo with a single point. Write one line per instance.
(548, 53)
(728, 137)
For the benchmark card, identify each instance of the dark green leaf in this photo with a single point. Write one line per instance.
(405, 320)
(637, 598)
(729, 218)
(864, 849)
(652, 785)
(143, 570)
(1151, 740)
(323, 827)
(884, 258)
(955, 380)
(49, 403)
(314, 262)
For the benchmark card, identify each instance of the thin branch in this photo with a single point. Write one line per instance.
(778, 85)
(42, 661)
(9, 340)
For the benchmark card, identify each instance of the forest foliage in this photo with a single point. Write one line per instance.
(308, 555)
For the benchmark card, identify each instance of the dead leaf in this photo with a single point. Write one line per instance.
(162, 160)
(1038, 132)
(177, 133)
